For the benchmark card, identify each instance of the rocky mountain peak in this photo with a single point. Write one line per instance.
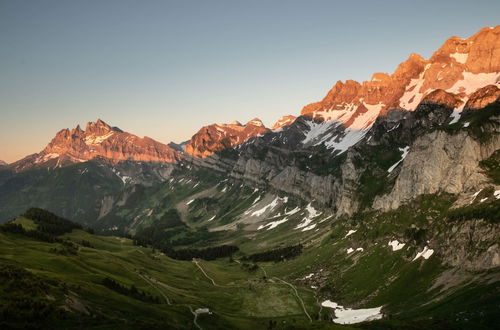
(451, 76)
(284, 121)
(255, 122)
(482, 97)
(235, 123)
(99, 140)
(216, 137)
(442, 97)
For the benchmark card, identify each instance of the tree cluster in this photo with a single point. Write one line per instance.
(276, 255)
(50, 223)
(131, 292)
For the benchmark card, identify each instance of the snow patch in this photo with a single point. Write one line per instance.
(269, 206)
(351, 316)
(93, 139)
(190, 202)
(396, 246)
(412, 96)
(405, 151)
(349, 233)
(306, 223)
(473, 81)
(497, 194)
(273, 224)
(46, 157)
(309, 227)
(295, 210)
(425, 253)
(466, 124)
(211, 218)
(460, 57)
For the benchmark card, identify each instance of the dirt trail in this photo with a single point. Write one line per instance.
(298, 297)
(196, 262)
(195, 318)
(151, 281)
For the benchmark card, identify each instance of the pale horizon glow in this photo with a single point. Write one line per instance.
(164, 69)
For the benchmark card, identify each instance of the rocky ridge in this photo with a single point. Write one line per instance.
(98, 140)
(217, 137)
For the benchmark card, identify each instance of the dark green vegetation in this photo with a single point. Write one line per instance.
(492, 167)
(276, 255)
(110, 282)
(131, 292)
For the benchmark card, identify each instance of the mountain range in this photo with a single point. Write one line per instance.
(390, 187)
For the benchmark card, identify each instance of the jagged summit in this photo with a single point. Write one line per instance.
(255, 122)
(284, 121)
(458, 69)
(216, 137)
(97, 140)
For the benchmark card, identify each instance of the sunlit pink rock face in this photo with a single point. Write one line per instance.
(459, 68)
(98, 140)
(216, 137)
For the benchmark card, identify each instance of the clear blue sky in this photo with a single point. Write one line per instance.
(165, 68)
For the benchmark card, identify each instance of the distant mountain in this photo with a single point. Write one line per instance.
(2, 163)
(284, 121)
(98, 140)
(217, 137)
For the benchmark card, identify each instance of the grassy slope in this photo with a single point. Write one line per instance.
(240, 299)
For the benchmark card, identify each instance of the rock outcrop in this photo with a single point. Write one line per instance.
(442, 162)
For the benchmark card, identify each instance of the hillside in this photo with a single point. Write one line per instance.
(68, 277)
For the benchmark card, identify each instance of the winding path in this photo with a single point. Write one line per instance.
(196, 262)
(195, 318)
(151, 281)
(298, 297)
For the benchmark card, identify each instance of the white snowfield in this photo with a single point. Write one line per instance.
(396, 246)
(349, 233)
(330, 132)
(425, 253)
(497, 194)
(269, 207)
(351, 250)
(95, 139)
(306, 223)
(292, 212)
(405, 152)
(460, 57)
(351, 316)
(273, 224)
(473, 81)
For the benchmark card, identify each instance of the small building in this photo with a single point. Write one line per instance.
(202, 311)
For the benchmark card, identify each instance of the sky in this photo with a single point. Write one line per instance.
(164, 69)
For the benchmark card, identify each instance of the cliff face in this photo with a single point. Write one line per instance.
(442, 162)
